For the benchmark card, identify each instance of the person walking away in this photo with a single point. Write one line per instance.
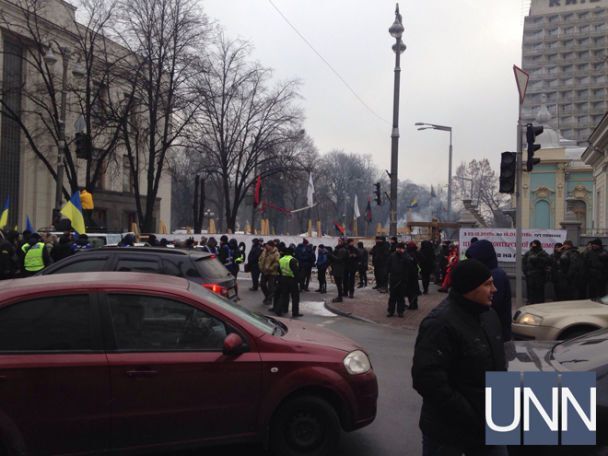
(398, 274)
(8, 255)
(572, 272)
(269, 268)
(554, 257)
(350, 270)
(596, 269)
(458, 342)
(484, 252)
(363, 264)
(427, 264)
(288, 284)
(413, 285)
(35, 255)
(252, 263)
(535, 263)
(306, 258)
(322, 264)
(380, 257)
(338, 264)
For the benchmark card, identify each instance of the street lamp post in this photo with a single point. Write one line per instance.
(396, 31)
(50, 59)
(428, 126)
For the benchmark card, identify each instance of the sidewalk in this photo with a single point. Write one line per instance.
(370, 305)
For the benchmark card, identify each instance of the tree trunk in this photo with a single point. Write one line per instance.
(195, 205)
(201, 207)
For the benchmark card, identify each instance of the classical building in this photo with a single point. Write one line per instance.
(596, 156)
(560, 184)
(565, 52)
(24, 178)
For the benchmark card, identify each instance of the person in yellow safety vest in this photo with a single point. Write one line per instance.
(289, 270)
(35, 255)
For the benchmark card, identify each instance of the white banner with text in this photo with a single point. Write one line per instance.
(504, 240)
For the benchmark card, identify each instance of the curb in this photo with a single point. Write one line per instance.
(341, 313)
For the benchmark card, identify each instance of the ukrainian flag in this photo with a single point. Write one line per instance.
(4, 214)
(73, 211)
(413, 204)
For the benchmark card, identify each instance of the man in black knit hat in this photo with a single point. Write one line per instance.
(458, 342)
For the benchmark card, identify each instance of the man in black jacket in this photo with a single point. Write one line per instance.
(252, 263)
(399, 272)
(380, 255)
(458, 342)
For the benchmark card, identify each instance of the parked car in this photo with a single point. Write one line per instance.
(560, 320)
(121, 361)
(588, 352)
(200, 267)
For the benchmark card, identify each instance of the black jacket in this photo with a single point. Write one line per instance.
(338, 260)
(380, 254)
(458, 342)
(254, 256)
(399, 269)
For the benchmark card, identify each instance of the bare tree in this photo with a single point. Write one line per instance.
(244, 128)
(51, 94)
(168, 37)
(477, 181)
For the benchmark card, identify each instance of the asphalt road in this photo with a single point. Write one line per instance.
(395, 430)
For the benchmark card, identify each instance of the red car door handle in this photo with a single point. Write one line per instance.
(142, 373)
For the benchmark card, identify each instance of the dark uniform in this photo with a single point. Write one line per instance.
(572, 274)
(535, 264)
(596, 269)
(350, 269)
(337, 259)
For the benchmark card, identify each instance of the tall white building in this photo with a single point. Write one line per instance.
(565, 51)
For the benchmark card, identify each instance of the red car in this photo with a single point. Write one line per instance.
(114, 361)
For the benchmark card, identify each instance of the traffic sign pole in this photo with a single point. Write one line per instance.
(521, 78)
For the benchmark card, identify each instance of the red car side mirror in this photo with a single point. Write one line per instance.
(233, 344)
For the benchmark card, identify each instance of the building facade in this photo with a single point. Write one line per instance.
(565, 46)
(561, 184)
(596, 156)
(24, 177)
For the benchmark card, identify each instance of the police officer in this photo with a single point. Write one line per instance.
(289, 271)
(535, 264)
(35, 255)
(596, 268)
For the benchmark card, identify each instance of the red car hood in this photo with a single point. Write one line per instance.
(309, 333)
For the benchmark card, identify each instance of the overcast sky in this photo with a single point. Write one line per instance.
(456, 71)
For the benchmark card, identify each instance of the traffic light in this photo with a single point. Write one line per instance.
(531, 133)
(378, 193)
(508, 164)
(83, 145)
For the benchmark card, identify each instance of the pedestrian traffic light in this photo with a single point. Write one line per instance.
(378, 193)
(531, 133)
(83, 145)
(508, 164)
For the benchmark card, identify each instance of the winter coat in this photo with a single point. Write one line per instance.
(483, 251)
(8, 260)
(363, 259)
(457, 343)
(269, 262)
(353, 260)
(254, 256)
(596, 265)
(427, 257)
(322, 258)
(399, 269)
(413, 285)
(338, 261)
(535, 263)
(571, 267)
(380, 253)
(305, 256)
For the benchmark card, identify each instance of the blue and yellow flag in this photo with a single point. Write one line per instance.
(4, 214)
(413, 204)
(28, 224)
(73, 211)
